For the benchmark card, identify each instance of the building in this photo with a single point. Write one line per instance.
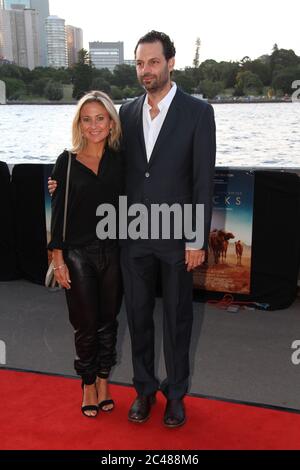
(6, 51)
(42, 7)
(25, 38)
(74, 43)
(106, 54)
(57, 54)
(19, 41)
(130, 62)
(15, 4)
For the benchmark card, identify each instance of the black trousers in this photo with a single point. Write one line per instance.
(94, 302)
(140, 278)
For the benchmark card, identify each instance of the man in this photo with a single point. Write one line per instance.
(169, 148)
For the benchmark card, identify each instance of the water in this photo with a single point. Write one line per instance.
(252, 135)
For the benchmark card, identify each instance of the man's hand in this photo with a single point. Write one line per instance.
(62, 276)
(194, 259)
(52, 185)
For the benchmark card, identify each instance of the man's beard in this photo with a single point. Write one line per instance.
(157, 83)
(153, 86)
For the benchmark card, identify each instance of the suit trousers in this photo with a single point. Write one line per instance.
(94, 302)
(140, 270)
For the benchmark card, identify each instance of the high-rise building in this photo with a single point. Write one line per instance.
(130, 62)
(42, 6)
(19, 39)
(56, 42)
(74, 43)
(106, 54)
(16, 4)
(6, 51)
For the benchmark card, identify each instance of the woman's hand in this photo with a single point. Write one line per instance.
(52, 185)
(61, 271)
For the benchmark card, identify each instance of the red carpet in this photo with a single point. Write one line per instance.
(43, 413)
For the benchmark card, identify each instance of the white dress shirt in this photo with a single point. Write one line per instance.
(152, 127)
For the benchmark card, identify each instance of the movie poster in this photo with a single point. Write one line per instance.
(228, 266)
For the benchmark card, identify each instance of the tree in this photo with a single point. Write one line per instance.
(82, 75)
(128, 92)
(83, 57)
(282, 58)
(11, 71)
(209, 70)
(124, 75)
(102, 85)
(248, 83)
(228, 72)
(54, 91)
(116, 93)
(259, 68)
(265, 59)
(185, 80)
(283, 79)
(210, 89)
(105, 74)
(14, 88)
(196, 61)
(37, 87)
(245, 60)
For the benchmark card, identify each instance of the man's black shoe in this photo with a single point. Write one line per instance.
(174, 414)
(140, 410)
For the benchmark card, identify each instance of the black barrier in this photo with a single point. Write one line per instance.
(31, 241)
(8, 255)
(276, 238)
(275, 241)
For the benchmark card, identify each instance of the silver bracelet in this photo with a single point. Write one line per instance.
(59, 267)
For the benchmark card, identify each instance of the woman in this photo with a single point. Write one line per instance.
(88, 268)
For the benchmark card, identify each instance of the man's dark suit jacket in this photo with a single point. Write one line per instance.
(181, 168)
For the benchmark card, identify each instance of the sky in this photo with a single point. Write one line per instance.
(228, 29)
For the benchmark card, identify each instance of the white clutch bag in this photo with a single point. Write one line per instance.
(50, 280)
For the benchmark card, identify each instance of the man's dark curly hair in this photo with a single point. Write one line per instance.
(154, 36)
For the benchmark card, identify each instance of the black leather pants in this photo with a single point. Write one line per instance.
(94, 302)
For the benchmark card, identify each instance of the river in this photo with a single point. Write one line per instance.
(248, 135)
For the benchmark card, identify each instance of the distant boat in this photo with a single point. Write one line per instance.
(199, 96)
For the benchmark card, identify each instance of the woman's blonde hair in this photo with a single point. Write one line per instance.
(78, 141)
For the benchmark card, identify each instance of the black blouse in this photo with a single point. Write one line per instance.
(86, 192)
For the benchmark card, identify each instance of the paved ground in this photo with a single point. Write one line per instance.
(245, 356)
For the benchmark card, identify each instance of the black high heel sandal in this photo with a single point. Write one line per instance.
(104, 403)
(86, 408)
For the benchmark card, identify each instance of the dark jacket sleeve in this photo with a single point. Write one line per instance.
(59, 174)
(204, 159)
(122, 151)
